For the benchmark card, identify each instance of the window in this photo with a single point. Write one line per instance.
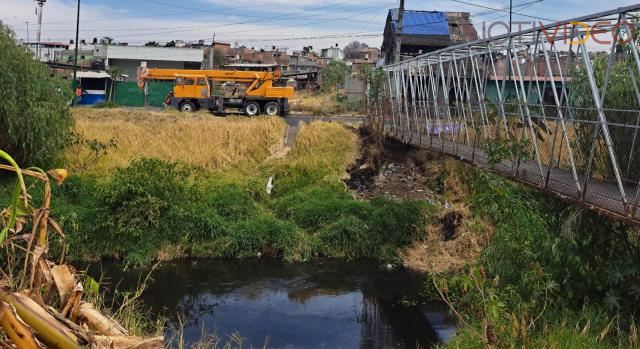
(202, 82)
(185, 81)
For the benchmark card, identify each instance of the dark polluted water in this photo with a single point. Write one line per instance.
(330, 304)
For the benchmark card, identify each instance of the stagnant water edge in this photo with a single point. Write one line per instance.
(326, 304)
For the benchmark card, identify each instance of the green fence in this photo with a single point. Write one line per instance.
(128, 94)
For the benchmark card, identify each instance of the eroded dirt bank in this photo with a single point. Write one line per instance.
(389, 168)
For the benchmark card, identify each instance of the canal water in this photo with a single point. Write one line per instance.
(330, 304)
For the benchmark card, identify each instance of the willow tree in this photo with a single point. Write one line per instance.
(35, 121)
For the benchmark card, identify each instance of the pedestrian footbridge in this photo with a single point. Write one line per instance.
(556, 107)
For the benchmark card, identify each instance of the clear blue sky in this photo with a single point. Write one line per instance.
(259, 23)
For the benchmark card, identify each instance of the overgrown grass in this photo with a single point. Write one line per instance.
(322, 104)
(562, 328)
(202, 140)
(553, 276)
(157, 208)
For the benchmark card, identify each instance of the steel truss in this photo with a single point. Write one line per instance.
(544, 106)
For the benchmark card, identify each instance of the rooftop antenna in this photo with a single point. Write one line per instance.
(39, 12)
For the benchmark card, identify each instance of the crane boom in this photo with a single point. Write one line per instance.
(253, 91)
(216, 75)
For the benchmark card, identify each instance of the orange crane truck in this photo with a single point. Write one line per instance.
(218, 90)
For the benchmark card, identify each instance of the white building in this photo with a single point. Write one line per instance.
(128, 58)
(333, 53)
(48, 50)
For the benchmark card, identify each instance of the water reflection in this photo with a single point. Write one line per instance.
(323, 305)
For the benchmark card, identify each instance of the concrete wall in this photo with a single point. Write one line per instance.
(130, 66)
(355, 90)
(175, 54)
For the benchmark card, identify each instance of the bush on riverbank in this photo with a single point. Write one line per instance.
(155, 208)
(554, 275)
(34, 114)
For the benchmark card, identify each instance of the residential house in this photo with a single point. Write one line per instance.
(332, 53)
(424, 31)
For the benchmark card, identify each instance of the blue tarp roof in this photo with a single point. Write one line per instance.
(421, 22)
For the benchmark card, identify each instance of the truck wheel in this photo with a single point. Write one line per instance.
(251, 108)
(272, 108)
(187, 107)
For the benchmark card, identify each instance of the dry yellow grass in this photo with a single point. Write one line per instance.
(435, 255)
(329, 146)
(199, 139)
(316, 104)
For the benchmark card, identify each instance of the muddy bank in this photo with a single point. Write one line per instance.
(394, 170)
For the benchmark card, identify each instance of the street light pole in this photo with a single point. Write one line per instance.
(39, 11)
(75, 55)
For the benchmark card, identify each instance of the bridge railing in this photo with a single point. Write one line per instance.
(557, 107)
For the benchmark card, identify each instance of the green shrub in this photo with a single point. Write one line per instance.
(265, 235)
(34, 116)
(231, 201)
(540, 244)
(334, 73)
(143, 208)
(156, 207)
(314, 207)
(397, 222)
(346, 238)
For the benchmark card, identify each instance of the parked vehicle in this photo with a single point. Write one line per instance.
(252, 92)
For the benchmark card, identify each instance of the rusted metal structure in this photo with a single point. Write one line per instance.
(572, 127)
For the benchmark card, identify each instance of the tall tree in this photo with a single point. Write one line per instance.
(35, 121)
(351, 51)
(334, 73)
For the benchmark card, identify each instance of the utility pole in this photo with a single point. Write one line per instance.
(39, 11)
(510, 15)
(27, 32)
(398, 40)
(213, 45)
(75, 54)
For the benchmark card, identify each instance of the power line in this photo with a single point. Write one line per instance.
(254, 39)
(218, 25)
(209, 27)
(156, 15)
(502, 10)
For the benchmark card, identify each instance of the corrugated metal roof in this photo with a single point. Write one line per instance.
(421, 22)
